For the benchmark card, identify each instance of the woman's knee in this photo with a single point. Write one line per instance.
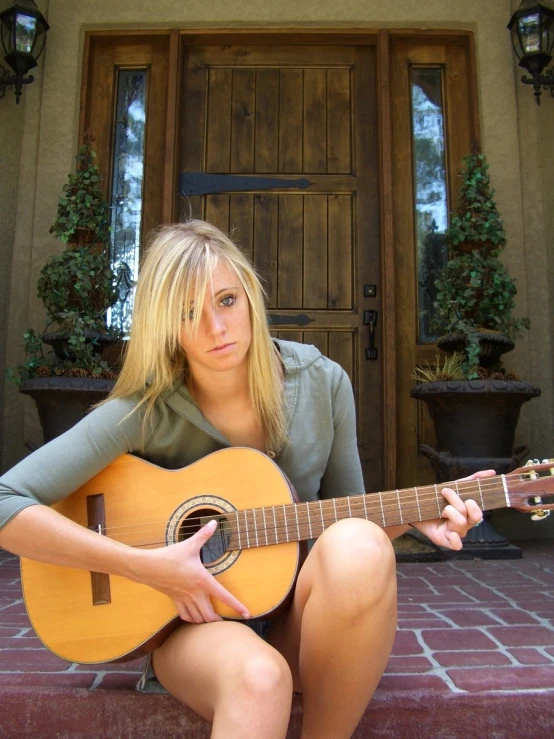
(264, 675)
(356, 562)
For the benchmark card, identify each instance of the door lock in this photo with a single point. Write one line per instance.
(370, 319)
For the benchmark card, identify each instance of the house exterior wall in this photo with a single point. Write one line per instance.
(39, 140)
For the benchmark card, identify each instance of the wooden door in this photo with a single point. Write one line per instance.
(448, 60)
(291, 133)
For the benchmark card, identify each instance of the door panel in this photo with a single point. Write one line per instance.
(294, 112)
(452, 57)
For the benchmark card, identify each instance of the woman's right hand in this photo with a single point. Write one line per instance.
(177, 571)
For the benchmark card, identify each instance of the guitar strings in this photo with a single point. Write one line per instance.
(304, 520)
(394, 497)
(390, 506)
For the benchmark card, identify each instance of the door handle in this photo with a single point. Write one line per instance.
(370, 319)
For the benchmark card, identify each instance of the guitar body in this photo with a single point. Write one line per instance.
(145, 505)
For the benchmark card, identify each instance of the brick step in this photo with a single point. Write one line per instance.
(82, 714)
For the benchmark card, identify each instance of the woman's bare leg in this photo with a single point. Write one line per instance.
(227, 674)
(338, 635)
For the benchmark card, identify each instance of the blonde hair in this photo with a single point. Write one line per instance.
(180, 260)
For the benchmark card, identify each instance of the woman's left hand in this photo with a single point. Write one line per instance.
(457, 517)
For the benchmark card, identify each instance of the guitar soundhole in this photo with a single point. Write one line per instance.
(216, 546)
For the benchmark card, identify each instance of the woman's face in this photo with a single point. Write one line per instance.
(224, 332)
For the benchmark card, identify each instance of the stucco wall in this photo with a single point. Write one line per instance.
(50, 130)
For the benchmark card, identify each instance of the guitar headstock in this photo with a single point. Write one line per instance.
(531, 488)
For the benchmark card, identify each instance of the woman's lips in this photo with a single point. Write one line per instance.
(221, 348)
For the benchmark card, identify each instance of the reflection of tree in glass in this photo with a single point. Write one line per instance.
(431, 210)
(432, 259)
(127, 183)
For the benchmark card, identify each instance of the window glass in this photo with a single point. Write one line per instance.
(431, 196)
(127, 188)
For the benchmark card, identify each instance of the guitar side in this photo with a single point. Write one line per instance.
(136, 495)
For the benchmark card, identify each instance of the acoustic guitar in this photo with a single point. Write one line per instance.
(255, 552)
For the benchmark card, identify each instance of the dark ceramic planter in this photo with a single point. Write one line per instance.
(475, 418)
(63, 401)
(492, 344)
(58, 341)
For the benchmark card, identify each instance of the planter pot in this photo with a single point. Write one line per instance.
(63, 401)
(492, 344)
(58, 341)
(475, 418)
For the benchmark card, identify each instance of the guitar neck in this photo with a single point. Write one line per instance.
(257, 527)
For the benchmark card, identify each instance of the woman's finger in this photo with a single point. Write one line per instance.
(454, 539)
(183, 612)
(456, 518)
(454, 500)
(479, 475)
(474, 513)
(207, 610)
(218, 591)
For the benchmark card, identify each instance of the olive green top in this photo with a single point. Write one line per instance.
(320, 457)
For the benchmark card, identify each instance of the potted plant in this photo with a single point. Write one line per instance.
(77, 287)
(473, 400)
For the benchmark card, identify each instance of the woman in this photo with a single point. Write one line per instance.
(201, 373)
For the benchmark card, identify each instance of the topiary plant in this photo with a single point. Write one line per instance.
(475, 293)
(82, 217)
(78, 286)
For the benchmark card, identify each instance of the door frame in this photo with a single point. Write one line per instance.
(167, 152)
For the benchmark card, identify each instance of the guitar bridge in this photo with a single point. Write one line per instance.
(96, 519)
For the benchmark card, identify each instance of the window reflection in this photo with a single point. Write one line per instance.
(127, 189)
(431, 197)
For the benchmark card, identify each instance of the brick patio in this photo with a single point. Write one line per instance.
(474, 655)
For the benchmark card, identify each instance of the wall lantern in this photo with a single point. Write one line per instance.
(532, 29)
(23, 32)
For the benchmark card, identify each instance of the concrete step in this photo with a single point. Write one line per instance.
(473, 656)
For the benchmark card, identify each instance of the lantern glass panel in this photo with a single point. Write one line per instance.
(530, 33)
(25, 33)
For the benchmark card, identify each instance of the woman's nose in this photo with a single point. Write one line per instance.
(215, 323)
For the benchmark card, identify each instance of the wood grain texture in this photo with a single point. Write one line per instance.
(136, 494)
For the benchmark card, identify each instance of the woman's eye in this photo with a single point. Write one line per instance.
(190, 316)
(228, 300)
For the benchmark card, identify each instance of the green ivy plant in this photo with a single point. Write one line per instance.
(77, 286)
(83, 213)
(475, 293)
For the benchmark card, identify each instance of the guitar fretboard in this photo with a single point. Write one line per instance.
(257, 527)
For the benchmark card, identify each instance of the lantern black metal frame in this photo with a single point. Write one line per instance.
(23, 32)
(532, 31)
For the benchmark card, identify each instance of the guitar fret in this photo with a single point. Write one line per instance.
(438, 501)
(265, 527)
(309, 520)
(297, 524)
(382, 508)
(335, 509)
(246, 529)
(481, 494)
(255, 527)
(349, 508)
(286, 523)
(399, 508)
(238, 531)
(321, 514)
(275, 525)
(418, 508)
(365, 505)
(508, 503)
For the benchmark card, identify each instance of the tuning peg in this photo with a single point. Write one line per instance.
(541, 514)
(549, 461)
(530, 463)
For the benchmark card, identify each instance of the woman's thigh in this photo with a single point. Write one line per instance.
(350, 558)
(202, 664)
